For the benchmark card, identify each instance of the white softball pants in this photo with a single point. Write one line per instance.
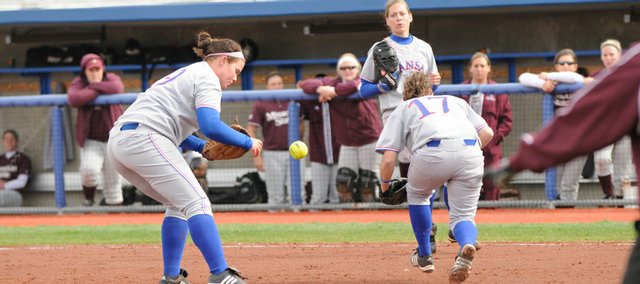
(452, 162)
(360, 157)
(615, 160)
(156, 167)
(93, 160)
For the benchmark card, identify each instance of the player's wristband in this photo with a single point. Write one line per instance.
(385, 181)
(383, 88)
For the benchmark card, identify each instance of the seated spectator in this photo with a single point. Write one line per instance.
(356, 125)
(566, 66)
(15, 168)
(92, 128)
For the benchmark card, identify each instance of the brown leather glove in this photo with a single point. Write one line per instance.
(219, 151)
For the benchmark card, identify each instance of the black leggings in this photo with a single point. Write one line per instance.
(632, 276)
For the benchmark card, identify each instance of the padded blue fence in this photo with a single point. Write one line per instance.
(56, 101)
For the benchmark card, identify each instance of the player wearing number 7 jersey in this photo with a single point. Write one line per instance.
(445, 136)
(143, 146)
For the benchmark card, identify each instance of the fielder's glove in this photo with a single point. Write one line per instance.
(219, 151)
(500, 175)
(385, 59)
(396, 193)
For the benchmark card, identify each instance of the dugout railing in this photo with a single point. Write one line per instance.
(456, 64)
(57, 102)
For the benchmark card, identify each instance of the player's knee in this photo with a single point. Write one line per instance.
(198, 206)
(175, 213)
(602, 163)
(418, 197)
(89, 176)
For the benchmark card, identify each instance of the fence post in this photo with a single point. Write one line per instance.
(45, 83)
(550, 173)
(513, 78)
(57, 140)
(247, 78)
(294, 165)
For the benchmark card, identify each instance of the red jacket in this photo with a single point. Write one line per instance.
(496, 111)
(80, 95)
(356, 122)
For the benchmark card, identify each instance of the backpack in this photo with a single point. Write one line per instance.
(249, 188)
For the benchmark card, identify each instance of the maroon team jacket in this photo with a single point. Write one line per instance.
(80, 95)
(357, 121)
(496, 111)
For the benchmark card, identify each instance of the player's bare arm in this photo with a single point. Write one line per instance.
(386, 168)
(485, 134)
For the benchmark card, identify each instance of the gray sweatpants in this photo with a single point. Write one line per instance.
(568, 178)
(323, 182)
(10, 198)
(276, 167)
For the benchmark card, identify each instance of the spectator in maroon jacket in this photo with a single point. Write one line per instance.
(15, 168)
(598, 115)
(92, 128)
(496, 111)
(356, 125)
(273, 118)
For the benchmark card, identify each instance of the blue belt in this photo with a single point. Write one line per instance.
(130, 126)
(436, 142)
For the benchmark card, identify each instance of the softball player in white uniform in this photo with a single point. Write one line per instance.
(144, 147)
(414, 55)
(444, 136)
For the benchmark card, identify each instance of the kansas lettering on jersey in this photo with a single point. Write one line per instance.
(416, 56)
(417, 121)
(169, 106)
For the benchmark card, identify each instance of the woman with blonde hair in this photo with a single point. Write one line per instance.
(613, 163)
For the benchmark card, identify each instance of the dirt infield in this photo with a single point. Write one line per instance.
(324, 263)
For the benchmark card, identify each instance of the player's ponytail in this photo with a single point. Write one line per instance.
(209, 48)
(203, 41)
(416, 85)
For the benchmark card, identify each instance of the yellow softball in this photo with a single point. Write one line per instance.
(298, 150)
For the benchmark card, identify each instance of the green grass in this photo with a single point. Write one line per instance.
(315, 233)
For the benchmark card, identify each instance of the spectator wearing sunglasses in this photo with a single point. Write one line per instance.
(566, 67)
(356, 125)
